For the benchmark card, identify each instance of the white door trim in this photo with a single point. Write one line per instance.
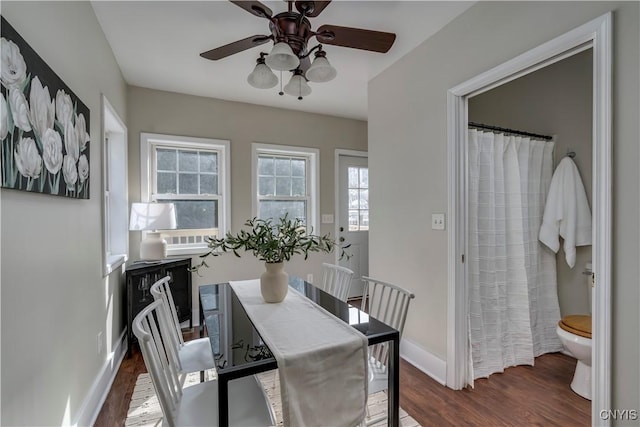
(336, 188)
(595, 34)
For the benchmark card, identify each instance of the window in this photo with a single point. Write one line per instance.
(284, 181)
(193, 174)
(115, 200)
(358, 188)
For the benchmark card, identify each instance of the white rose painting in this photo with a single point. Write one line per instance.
(44, 126)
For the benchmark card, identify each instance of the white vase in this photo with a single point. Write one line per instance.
(274, 282)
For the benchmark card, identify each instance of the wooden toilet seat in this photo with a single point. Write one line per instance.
(578, 324)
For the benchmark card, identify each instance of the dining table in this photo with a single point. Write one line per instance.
(239, 350)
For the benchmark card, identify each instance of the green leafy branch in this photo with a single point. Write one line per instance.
(271, 242)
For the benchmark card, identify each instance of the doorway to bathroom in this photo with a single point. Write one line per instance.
(519, 288)
(554, 101)
(484, 99)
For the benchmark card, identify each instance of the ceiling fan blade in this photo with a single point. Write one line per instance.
(235, 47)
(311, 9)
(254, 7)
(376, 41)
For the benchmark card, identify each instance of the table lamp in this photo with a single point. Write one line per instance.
(152, 217)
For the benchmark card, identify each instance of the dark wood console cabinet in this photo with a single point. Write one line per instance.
(139, 278)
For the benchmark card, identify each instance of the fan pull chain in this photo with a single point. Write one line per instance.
(281, 92)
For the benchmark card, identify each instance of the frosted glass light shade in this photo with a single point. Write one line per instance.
(321, 70)
(297, 86)
(262, 77)
(282, 58)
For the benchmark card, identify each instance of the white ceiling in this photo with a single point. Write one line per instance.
(157, 45)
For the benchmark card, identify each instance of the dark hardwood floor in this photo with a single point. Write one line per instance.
(522, 396)
(115, 407)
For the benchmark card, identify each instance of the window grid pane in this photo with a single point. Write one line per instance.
(208, 184)
(358, 202)
(166, 160)
(188, 183)
(167, 183)
(186, 171)
(192, 173)
(282, 187)
(281, 176)
(187, 161)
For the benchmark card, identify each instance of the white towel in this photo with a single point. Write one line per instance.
(322, 361)
(566, 213)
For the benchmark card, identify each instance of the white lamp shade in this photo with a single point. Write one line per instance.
(262, 77)
(321, 70)
(152, 216)
(282, 58)
(297, 86)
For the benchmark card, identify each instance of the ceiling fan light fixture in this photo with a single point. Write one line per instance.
(291, 32)
(262, 77)
(297, 86)
(282, 58)
(321, 70)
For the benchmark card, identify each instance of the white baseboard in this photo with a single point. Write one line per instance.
(427, 362)
(90, 408)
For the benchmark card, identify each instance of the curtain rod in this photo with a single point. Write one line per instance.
(517, 132)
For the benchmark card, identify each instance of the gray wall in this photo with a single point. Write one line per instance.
(54, 298)
(186, 115)
(408, 139)
(556, 100)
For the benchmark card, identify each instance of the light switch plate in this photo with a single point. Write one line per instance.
(437, 221)
(327, 218)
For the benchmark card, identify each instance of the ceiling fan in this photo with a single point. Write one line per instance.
(291, 32)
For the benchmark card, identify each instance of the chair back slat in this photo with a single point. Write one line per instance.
(165, 357)
(162, 290)
(389, 304)
(336, 280)
(150, 326)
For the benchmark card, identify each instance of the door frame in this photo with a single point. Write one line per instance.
(597, 35)
(336, 186)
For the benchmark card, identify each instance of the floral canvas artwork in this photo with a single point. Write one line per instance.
(44, 126)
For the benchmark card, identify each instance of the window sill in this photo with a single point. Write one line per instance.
(195, 250)
(113, 262)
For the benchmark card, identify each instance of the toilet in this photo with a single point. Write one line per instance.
(575, 333)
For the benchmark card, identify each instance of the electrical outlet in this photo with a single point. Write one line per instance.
(99, 342)
(437, 221)
(310, 278)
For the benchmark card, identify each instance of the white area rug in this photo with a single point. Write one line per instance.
(144, 409)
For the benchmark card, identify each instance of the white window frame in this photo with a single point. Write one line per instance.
(312, 155)
(115, 202)
(359, 210)
(150, 141)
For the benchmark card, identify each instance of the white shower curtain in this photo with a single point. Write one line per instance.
(513, 302)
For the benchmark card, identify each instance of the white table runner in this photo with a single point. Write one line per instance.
(322, 361)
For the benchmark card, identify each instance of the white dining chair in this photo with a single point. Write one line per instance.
(195, 405)
(194, 355)
(336, 280)
(389, 304)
